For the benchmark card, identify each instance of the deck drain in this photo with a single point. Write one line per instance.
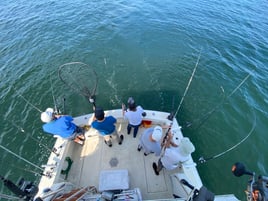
(113, 162)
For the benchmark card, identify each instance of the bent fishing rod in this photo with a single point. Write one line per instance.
(204, 160)
(205, 117)
(188, 85)
(172, 116)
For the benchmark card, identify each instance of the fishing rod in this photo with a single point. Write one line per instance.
(28, 102)
(9, 197)
(187, 88)
(204, 160)
(188, 85)
(16, 155)
(172, 116)
(208, 114)
(54, 150)
(31, 171)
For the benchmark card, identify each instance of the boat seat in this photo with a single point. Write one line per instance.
(110, 180)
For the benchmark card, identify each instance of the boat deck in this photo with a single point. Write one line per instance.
(92, 161)
(95, 156)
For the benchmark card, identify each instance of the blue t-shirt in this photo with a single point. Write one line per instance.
(106, 126)
(63, 126)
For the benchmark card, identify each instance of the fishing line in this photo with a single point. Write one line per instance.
(28, 102)
(20, 157)
(205, 117)
(204, 160)
(39, 143)
(171, 115)
(54, 100)
(64, 108)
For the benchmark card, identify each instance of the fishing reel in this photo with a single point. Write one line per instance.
(257, 190)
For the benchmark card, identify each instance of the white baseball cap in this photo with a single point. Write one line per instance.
(176, 139)
(157, 133)
(47, 116)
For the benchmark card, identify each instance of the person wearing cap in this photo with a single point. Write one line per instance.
(150, 141)
(174, 155)
(134, 115)
(106, 126)
(62, 126)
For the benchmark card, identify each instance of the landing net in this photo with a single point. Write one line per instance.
(80, 78)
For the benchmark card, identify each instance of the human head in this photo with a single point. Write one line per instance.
(186, 147)
(131, 103)
(99, 113)
(157, 133)
(47, 116)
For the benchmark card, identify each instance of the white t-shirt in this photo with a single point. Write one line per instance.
(147, 144)
(134, 118)
(172, 157)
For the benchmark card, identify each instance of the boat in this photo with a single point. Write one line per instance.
(95, 171)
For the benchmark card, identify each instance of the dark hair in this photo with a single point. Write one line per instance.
(132, 106)
(99, 113)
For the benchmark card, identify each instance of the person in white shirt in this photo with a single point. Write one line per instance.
(134, 115)
(150, 141)
(176, 151)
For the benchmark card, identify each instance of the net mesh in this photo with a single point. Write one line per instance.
(80, 78)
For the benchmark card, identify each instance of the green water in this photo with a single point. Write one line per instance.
(148, 50)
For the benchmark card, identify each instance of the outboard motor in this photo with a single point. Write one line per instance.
(28, 188)
(25, 190)
(257, 190)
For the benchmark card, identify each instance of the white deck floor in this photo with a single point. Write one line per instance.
(95, 156)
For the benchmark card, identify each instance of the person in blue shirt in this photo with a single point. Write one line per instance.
(106, 127)
(62, 125)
